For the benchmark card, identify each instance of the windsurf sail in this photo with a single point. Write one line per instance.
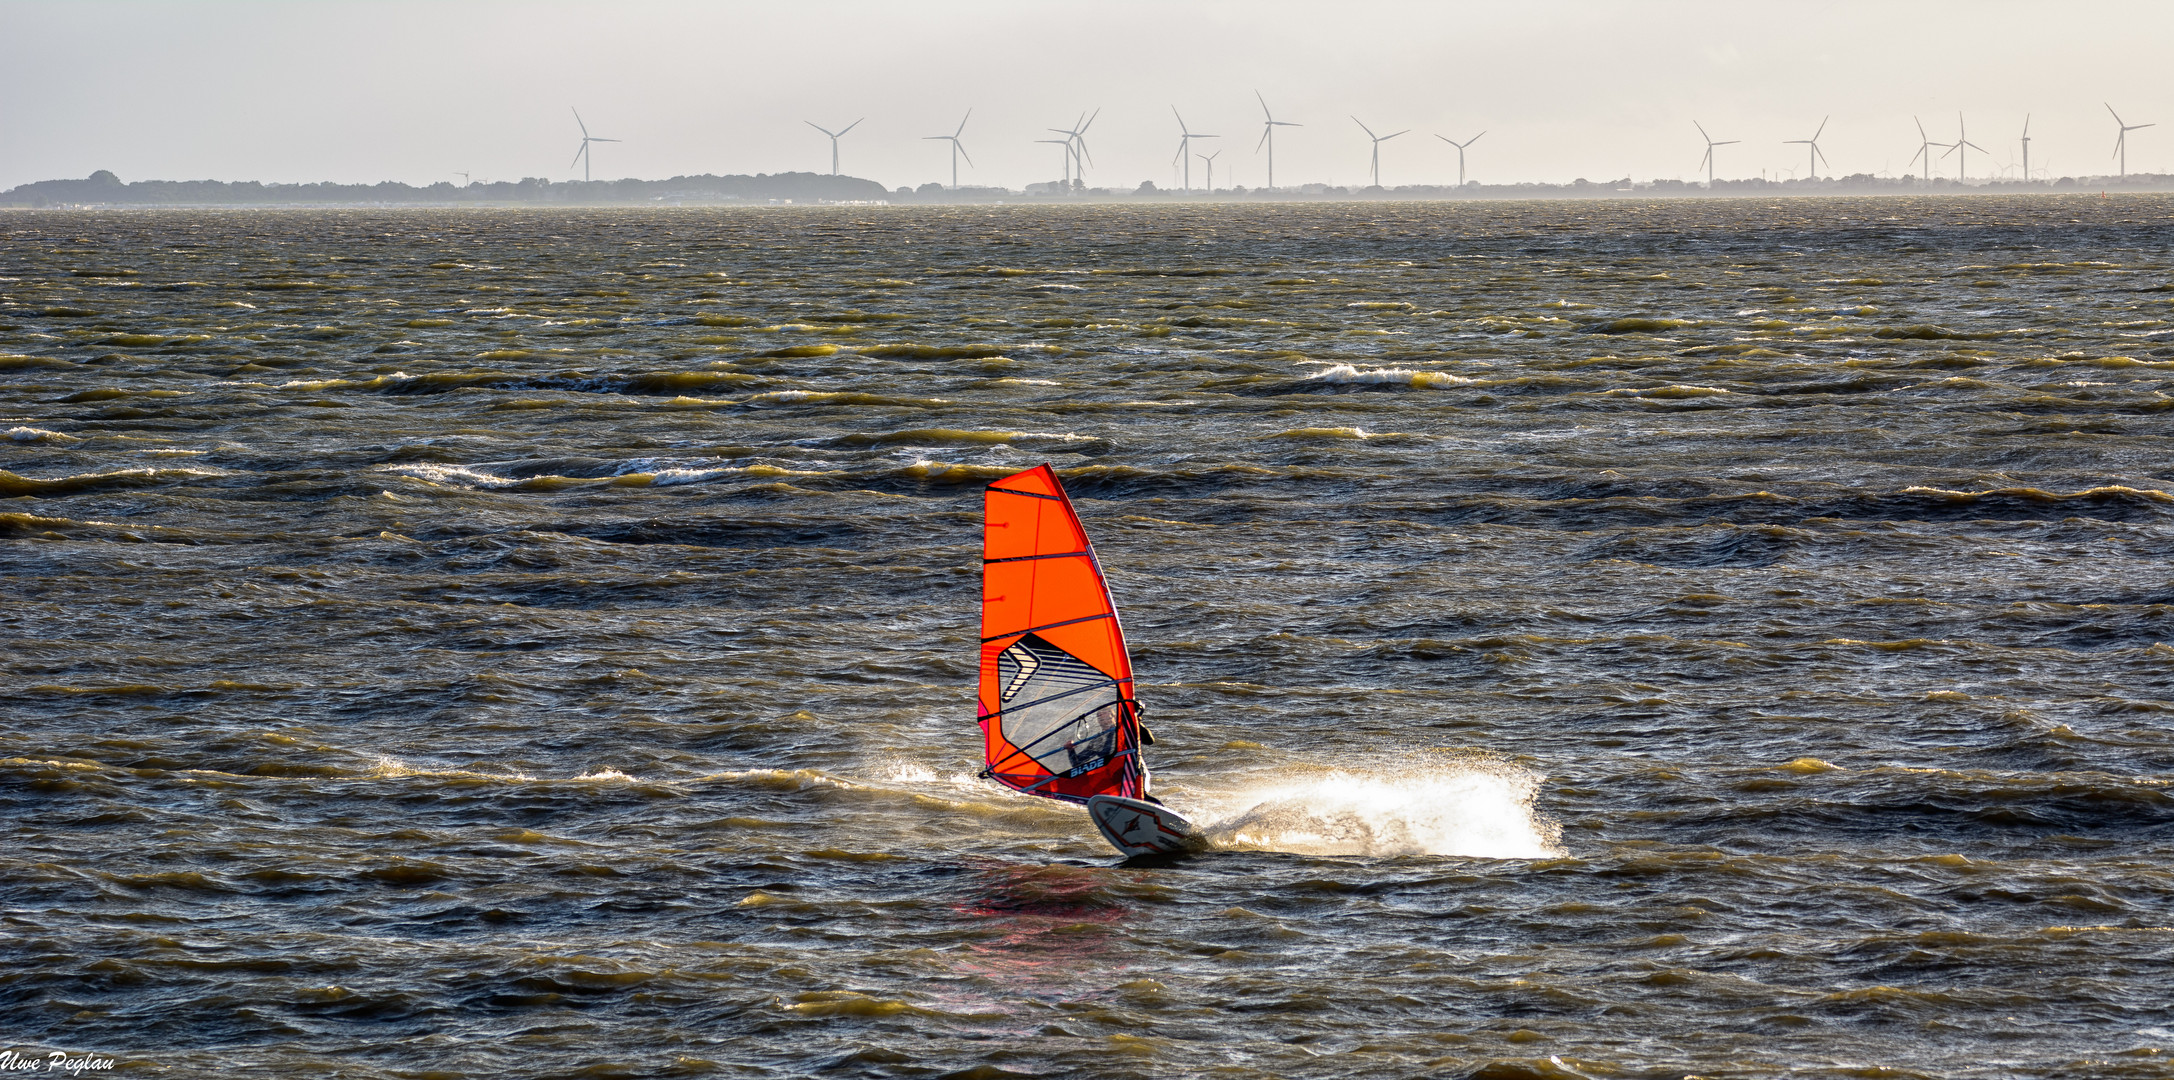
(1057, 712)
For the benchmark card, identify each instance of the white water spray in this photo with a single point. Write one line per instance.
(1474, 807)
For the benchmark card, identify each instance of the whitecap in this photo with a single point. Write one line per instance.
(31, 434)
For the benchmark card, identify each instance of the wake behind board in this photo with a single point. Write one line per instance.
(1137, 827)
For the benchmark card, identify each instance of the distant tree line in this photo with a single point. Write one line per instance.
(104, 188)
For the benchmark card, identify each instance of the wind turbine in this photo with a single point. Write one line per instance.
(1268, 137)
(1816, 157)
(582, 155)
(1924, 148)
(1375, 166)
(1075, 140)
(1185, 145)
(1708, 160)
(834, 137)
(1963, 146)
(1460, 152)
(1209, 160)
(958, 149)
(2121, 141)
(2026, 148)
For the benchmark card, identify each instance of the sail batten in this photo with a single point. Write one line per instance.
(1056, 703)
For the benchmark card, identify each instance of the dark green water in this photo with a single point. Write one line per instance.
(1607, 640)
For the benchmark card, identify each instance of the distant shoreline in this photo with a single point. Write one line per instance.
(103, 190)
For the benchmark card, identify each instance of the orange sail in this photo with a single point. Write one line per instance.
(1056, 705)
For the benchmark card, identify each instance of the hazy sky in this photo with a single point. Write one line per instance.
(363, 91)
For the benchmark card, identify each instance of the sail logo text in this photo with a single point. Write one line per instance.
(57, 1061)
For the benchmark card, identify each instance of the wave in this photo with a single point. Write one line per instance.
(967, 436)
(1347, 373)
(947, 352)
(555, 474)
(1672, 391)
(1638, 326)
(1324, 433)
(13, 485)
(31, 434)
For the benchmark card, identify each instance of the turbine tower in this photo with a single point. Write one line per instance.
(1708, 160)
(1374, 165)
(2121, 141)
(582, 155)
(958, 149)
(1268, 137)
(1460, 152)
(1815, 157)
(1185, 146)
(834, 137)
(1209, 161)
(2026, 148)
(1962, 146)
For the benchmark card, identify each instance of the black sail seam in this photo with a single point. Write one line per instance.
(1026, 558)
(1047, 626)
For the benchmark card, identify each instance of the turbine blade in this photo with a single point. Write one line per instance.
(1090, 120)
(1921, 128)
(1386, 138)
(577, 120)
(848, 127)
(577, 154)
(2140, 127)
(818, 127)
(1362, 127)
(1702, 132)
(1264, 106)
(1181, 119)
(1473, 139)
(1728, 142)
(1265, 129)
(962, 123)
(962, 151)
(2116, 116)
(1822, 128)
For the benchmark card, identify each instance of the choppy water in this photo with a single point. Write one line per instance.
(1607, 640)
